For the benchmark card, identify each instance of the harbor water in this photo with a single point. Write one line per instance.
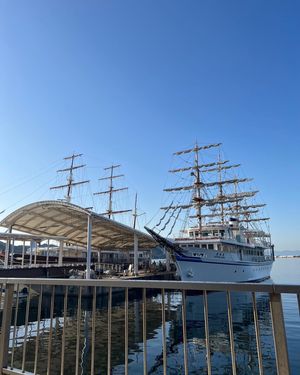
(286, 270)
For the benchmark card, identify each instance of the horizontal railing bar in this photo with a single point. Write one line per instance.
(9, 371)
(158, 284)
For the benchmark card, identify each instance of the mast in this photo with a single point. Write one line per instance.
(237, 206)
(70, 179)
(135, 212)
(221, 187)
(197, 185)
(111, 190)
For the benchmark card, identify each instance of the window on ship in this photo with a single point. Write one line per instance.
(210, 246)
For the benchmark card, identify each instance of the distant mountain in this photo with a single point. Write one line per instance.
(287, 252)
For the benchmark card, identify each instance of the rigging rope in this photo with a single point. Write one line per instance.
(171, 230)
(164, 215)
(167, 222)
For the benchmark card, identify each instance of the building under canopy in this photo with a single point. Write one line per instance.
(78, 226)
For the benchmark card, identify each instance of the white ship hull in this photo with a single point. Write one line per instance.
(201, 270)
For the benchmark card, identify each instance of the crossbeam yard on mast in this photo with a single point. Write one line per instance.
(244, 207)
(70, 184)
(250, 212)
(256, 219)
(71, 168)
(209, 184)
(228, 198)
(256, 233)
(110, 191)
(199, 166)
(218, 169)
(197, 148)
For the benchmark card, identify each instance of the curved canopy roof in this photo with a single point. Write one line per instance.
(57, 218)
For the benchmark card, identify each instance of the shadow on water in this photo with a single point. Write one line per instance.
(243, 326)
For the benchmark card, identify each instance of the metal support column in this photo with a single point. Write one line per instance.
(61, 249)
(6, 257)
(12, 253)
(136, 255)
(7, 248)
(23, 254)
(168, 261)
(35, 252)
(30, 254)
(88, 248)
(282, 359)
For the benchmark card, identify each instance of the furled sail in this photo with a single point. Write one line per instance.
(221, 168)
(182, 206)
(228, 198)
(256, 219)
(227, 214)
(197, 148)
(209, 184)
(198, 167)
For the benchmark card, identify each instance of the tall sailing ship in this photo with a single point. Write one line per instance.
(222, 238)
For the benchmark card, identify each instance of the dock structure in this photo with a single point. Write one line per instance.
(70, 224)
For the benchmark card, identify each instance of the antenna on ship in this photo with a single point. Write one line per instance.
(111, 191)
(70, 179)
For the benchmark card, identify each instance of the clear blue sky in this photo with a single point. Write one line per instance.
(132, 81)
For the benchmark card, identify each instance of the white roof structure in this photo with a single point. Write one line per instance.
(62, 219)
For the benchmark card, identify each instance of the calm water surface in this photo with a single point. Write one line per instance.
(284, 271)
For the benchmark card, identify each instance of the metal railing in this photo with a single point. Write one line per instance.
(33, 350)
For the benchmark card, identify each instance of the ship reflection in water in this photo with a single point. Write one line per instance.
(243, 326)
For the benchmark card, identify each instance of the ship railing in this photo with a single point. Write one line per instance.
(17, 358)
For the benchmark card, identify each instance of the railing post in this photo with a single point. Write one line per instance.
(5, 328)
(282, 359)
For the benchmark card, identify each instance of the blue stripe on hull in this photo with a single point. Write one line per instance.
(183, 258)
